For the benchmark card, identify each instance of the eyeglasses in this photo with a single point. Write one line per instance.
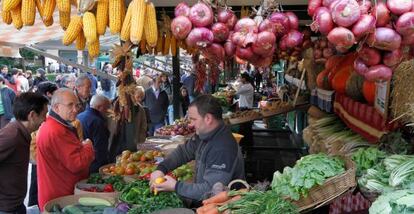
(72, 105)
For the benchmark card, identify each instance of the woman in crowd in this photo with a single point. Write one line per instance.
(184, 100)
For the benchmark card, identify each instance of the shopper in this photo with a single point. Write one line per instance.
(40, 76)
(23, 85)
(83, 91)
(95, 127)
(8, 77)
(185, 100)
(214, 149)
(29, 78)
(167, 87)
(107, 85)
(245, 92)
(145, 80)
(94, 81)
(30, 110)
(68, 81)
(189, 83)
(6, 103)
(62, 159)
(156, 100)
(141, 116)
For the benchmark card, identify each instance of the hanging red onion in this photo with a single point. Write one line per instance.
(201, 15)
(378, 72)
(281, 22)
(345, 12)
(229, 49)
(244, 53)
(267, 25)
(282, 43)
(181, 27)
(364, 6)
(313, 5)
(241, 39)
(360, 67)
(214, 52)
(246, 25)
(264, 43)
(327, 52)
(408, 40)
(322, 21)
(405, 24)
(382, 14)
(317, 54)
(384, 39)
(199, 36)
(393, 58)
(364, 26)
(182, 9)
(269, 53)
(294, 39)
(231, 22)
(342, 38)
(327, 3)
(323, 43)
(399, 7)
(220, 31)
(293, 20)
(370, 56)
(224, 15)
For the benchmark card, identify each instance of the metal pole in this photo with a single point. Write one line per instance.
(176, 84)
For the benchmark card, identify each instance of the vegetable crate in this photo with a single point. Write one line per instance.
(72, 199)
(332, 188)
(323, 99)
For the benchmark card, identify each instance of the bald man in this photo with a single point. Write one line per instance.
(94, 125)
(62, 158)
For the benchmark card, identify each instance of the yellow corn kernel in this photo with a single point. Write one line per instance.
(89, 27)
(48, 22)
(115, 16)
(151, 30)
(28, 12)
(48, 9)
(64, 19)
(73, 30)
(16, 14)
(137, 21)
(80, 42)
(102, 10)
(93, 49)
(6, 16)
(63, 5)
(39, 7)
(126, 26)
(8, 5)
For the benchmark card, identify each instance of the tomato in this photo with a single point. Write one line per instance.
(143, 158)
(130, 171)
(108, 188)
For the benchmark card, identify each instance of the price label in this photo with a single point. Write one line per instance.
(382, 94)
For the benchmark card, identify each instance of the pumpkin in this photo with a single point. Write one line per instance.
(345, 61)
(340, 78)
(368, 90)
(322, 80)
(353, 88)
(333, 61)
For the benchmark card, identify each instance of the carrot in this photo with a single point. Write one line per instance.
(212, 210)
(203, 209)
(219, 198)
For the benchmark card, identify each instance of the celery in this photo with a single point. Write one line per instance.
(401, 173)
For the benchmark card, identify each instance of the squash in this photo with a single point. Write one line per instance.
(333, 61)
(322, 80)
(340, 79)
(345, 61)
(368, 90)
(353, 88)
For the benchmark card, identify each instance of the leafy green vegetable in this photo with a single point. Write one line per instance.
(117, 181)
(400, 201)
(394, 143)
(366, 158)
(402, 173)
(308, 172)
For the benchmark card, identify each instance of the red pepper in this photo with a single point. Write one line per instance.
(108, 188)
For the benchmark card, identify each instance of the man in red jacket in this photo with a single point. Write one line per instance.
(62, 159)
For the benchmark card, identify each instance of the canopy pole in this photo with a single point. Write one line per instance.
(176, 84)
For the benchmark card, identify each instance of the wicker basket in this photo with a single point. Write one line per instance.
(276, 111)
(331, 189)
(239, 120)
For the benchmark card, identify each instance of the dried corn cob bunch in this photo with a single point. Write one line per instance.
(102, 16)
(137, 20)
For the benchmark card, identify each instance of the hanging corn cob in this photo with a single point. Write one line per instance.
(93, 49)
(8, 5)
(137, 21)
(102, 10)
(64, 19)
(28, 12)
(167, 44)
(80, 42)
(16, 14)
(160, 43)
(48, 22)
(6, 16)
(89, 27)
(39, 7)
(173, 46)
(126, 26)
(115, 16)
(143, 46)
(63, 5)
(151, 29)
(48, 9)
(74, 29)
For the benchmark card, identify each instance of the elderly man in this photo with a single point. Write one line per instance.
(30, 111)
(95, 127)
(62, 159)
(217, 155)
(68, 81)
(83, 91)
(156, 100)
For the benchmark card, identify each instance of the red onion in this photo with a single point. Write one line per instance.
(201, 15)
(364, 26)
(267, 25)
(364, 6)
(182, 9)
(313, 5)
(224, 15)
(199, 36)
(345, 12)
(229, 49)
(264, 43)
(317, 54)
(405, 24)
(294, 38)
(282, 43)
(327, 3)
(220, 31)
(360, 67)
(323, 43)
(281, 22)
(231, 22)
(370, 56)
(385, 39)
(243, 40)
(393, 58)
(269, 53)
(378, 72)
(181, 27)
(342, 38)
(293, 20)
(408, 40)
(244, 53)
(382, 14)
(214, 52)
(399, 7)
(322, 21)
(327, 52)
(246, 25)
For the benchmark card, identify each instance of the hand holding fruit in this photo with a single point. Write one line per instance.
(165, 184)
(154, 175)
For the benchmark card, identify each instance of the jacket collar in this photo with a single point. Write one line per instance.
(65, 123)
(210, 135)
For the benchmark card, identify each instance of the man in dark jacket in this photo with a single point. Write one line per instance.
(30, 111)
(156, 100)
(83, 91)
(6, 105)
(94, 127)
(215, 151)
